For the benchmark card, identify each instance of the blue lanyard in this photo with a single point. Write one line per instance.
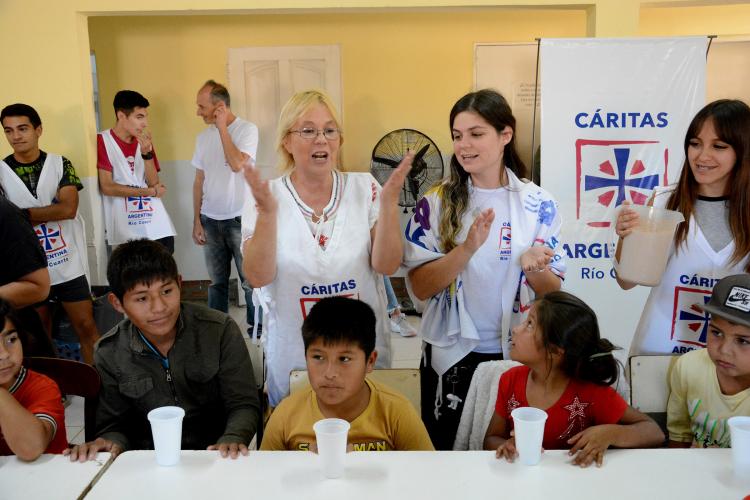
(163, 359)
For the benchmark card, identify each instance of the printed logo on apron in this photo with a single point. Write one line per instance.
(306, 302)
(139, 210)
(132, 216)
(51, 238)
(690, 324)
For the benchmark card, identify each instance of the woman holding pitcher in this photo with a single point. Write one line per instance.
(713, 195)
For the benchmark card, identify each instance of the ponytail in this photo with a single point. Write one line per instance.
(569, 324)
(601, 366)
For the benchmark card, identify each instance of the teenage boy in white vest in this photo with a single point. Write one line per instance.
(219, 191)
(129, 177)
(46, 186)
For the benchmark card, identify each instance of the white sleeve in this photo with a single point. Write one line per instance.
(421, 242)
(197, 156)
(247, 140)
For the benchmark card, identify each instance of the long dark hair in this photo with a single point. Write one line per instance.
(566, 322)
(731, 120)
(454, 192)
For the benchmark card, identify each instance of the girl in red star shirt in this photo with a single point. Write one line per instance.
(32, 417)
(567, 371)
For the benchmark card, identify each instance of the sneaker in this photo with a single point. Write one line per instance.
(250, 330)
(394, 326)
(402, 326)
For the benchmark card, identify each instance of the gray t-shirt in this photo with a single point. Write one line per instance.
(712, 216)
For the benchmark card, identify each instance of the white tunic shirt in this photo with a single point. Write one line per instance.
(307, 272)
(224, 191)
(485, 274)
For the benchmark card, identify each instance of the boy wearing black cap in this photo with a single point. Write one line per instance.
(710, 385)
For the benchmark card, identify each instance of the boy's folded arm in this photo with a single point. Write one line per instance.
(118, 438)
(26, 434)
(112, 410)
(241, 425)
(410, 432)
(679, 444)
(237, 387)
(678, 418)
(275, 434)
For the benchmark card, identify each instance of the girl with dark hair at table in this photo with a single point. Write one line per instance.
(32, 417)
(481, 244)
(567, 371)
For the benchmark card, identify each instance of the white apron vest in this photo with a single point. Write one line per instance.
(64, 241)
(132, 217)
(669, 323)
(305, 273)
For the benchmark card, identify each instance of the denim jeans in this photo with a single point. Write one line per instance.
(223, 242)
(391, 295)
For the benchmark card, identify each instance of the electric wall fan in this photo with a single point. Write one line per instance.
(426, 170)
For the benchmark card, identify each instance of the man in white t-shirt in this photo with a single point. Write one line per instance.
(220, 190)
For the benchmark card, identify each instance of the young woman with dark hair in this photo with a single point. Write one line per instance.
(481, 244)
(713, 194)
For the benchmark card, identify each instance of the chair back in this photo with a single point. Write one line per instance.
(73, 378)
(649, 382)
(480, 404)
(649, 385)
(404, 380)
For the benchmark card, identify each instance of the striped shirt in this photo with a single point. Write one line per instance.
(40, 396)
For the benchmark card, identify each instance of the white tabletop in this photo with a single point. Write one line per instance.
(631, 474)
(47, 477)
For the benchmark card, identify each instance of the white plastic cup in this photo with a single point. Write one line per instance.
(528, 424)
(739, 429)
(645, 251)
(331, 434)
(166, 429)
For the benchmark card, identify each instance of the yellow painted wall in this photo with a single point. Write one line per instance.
(398, 71)
(46, 45)
(166, 52)
(722, 20)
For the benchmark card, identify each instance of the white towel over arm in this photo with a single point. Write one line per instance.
(480, 404)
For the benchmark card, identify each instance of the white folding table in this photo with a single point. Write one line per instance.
(47, 477)
(626, 474)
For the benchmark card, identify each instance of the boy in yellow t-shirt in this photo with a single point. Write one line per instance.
(339, 339)
(712, 384)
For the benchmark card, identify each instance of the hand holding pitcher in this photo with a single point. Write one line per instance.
(642, 256)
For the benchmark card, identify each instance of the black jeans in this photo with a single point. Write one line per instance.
(456, 381)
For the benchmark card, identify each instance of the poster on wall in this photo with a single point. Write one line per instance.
(510, 68)
(614, 116)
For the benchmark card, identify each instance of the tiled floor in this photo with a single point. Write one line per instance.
(74, 420)
(405, 353)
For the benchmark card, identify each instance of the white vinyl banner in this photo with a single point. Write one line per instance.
(614, 116)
